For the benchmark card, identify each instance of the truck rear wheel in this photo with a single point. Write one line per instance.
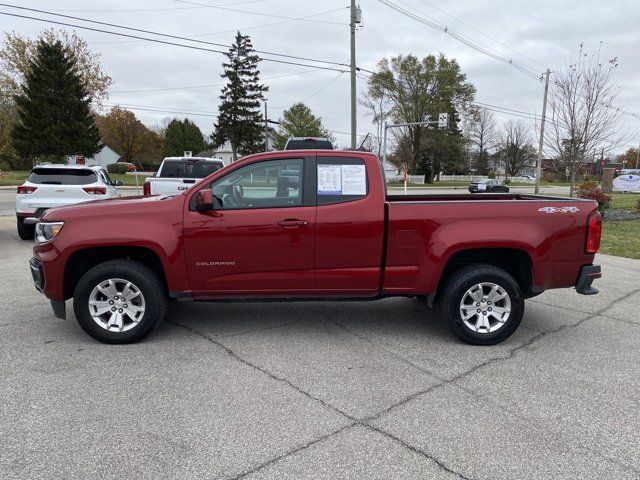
(25, 232)
(482, 304)
(119, 301)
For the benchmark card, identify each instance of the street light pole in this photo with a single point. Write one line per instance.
(352, 25)
(541, 143)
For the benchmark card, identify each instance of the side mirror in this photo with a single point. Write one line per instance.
(118, 183)
(204, 200)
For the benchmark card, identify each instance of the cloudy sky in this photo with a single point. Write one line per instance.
(159, 81)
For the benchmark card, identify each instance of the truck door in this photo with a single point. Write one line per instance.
(350, 225)
(260, 238)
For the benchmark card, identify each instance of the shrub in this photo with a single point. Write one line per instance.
(604, 200)
(587, 186)
(4, 166)
(507, 181)
(491, 174)
(117, 168)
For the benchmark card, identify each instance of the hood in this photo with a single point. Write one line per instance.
(114, 207)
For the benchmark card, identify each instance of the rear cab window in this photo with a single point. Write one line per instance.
(340, 180)
(309, 144)
(62, 176)
(188, 169)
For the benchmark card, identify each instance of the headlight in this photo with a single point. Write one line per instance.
(46, 231)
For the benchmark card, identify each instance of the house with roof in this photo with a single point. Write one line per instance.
(106, 156)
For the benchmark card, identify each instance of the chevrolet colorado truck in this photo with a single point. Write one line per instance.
(312, 225)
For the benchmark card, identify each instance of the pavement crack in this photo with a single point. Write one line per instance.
(293, 451)
(427, 455)
(271, 375)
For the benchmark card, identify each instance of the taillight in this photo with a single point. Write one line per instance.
(95, 190)
(25, 190)
(594, 233)
(146, 188)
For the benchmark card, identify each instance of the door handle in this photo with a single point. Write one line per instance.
(292, 223)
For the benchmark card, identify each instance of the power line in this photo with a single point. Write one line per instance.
(461, 38)
(482, 33)
(243, 29)
(134, 10)
(164, 42)
(177, 37)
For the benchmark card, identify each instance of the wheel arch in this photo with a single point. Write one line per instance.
(516, 262)
(83, 260)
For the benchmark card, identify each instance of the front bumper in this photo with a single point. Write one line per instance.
(37, 272)
(588, 274)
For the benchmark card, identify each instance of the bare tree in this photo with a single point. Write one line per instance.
(379, 108)
(584, 116)
(483, 136)
(515, 147)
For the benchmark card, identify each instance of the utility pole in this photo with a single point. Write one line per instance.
(352, 25)
(637, 156)
(266, 128)
(541, 144)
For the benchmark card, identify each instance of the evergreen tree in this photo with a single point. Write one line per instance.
(54, 115)
(239, 118)
(181, 136)
(299, 121)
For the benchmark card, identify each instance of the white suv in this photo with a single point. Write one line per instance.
(53, 185)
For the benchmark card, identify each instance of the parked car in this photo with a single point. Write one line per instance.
(488, 185)
(308, 143)
(130, 166)
(177, 174)
(52, 185)
(334, 235)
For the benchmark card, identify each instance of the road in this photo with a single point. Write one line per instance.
(8, 196)
(322, 390)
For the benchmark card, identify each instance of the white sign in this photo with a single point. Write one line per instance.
(443, 120)
(342, 179)
(354, 180)
(482, 186)
(627, 183)
(329, 180)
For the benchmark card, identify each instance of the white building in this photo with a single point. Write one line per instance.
(104, 157)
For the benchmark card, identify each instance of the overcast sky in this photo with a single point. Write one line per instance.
(539, 34)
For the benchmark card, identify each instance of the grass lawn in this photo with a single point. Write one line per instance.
(625, 201)
(621, 238)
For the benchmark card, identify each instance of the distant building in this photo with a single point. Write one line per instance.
(104, 157)
(226, 154)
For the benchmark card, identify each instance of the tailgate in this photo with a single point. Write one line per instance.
(165, 186)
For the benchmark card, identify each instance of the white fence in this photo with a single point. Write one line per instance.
(473, 178)
(400, 178)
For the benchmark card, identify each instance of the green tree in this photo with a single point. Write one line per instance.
(54, 115)
(18, 52)
(418, 90)
(240, 120)
(299, 121)
(181, 136)
(122, 131)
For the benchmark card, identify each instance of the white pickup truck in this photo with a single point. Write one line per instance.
(177, 174)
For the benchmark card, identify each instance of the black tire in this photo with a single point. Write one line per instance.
(144, 278)
(25, 232)
(457, 286)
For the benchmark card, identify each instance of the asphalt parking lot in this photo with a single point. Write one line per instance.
(322, 390)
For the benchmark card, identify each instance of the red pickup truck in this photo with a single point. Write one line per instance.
(312, 225)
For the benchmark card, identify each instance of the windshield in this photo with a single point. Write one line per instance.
(188, 169)
(62, 176)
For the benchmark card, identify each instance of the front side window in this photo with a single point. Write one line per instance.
(274, 183)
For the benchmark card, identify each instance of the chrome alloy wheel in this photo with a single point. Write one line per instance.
(116, 305)
(485, 307)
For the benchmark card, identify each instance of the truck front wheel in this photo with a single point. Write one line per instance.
(119, 301)
(482, 304)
